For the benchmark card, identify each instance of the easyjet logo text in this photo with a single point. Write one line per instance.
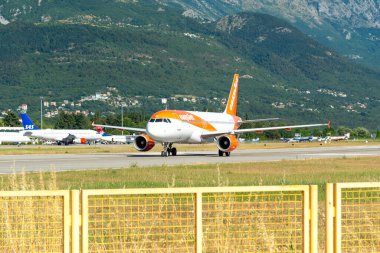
(233, 97)
(186, 117)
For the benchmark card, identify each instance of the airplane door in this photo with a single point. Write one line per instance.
(179, 130)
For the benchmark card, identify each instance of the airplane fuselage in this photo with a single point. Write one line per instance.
(13, 137)
(177, 126)
(61, 134)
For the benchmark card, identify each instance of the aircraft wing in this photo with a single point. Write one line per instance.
(257, 120)
(259, 129)
(142, 130)
(238, 131)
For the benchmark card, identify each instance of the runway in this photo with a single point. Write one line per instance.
(65, 162)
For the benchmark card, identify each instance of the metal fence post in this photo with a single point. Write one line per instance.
(75, 222)
(313, 218)
(330, 218)
(84, 202)
(338, 218)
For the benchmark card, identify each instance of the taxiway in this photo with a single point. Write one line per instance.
(64, 162)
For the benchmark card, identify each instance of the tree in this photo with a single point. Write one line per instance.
(361, 132)
(343, 130)
(64, 121)
(11, 119)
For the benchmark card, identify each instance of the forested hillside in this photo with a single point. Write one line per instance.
(63, 51)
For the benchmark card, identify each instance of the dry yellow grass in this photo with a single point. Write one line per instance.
(316, 171)
(31, 223)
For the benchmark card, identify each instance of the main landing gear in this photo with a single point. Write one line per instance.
(221, 153)
(168, 150)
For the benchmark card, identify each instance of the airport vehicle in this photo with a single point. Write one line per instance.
(176, 126)
(60, 136)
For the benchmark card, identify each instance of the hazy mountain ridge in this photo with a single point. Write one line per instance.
(351, 27)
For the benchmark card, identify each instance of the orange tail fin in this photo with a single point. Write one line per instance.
(233, 97)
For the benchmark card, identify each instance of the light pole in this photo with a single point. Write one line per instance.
(122, 117)
(41, 112)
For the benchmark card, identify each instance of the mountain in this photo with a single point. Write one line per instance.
(351, 27)
(65, 50)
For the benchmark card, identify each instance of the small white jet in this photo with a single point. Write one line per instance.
(174, 126)
(124, 139)
(61, 136)
(339, 138)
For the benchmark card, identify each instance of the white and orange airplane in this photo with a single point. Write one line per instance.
(191, 127)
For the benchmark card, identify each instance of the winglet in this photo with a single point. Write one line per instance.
(231, 107)
(27, 122)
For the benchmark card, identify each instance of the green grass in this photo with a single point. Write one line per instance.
(313, 171)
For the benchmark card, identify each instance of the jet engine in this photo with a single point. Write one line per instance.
(143, 143)
(80, 141)
(227, 143)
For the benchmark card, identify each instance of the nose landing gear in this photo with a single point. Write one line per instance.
(168, 149)
(221, 153)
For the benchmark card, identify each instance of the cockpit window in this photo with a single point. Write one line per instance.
(161, 120)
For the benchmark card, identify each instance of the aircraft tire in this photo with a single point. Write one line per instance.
(220, 153)
(227, 153)
(174, 151)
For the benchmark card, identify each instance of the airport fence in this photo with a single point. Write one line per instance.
(221, 219)
(232, 219)
(353, 217)
(35, 221)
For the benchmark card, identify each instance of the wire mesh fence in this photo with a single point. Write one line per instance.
(231, 219)
(353, 217)
(360, 219)
(253, 222)
(33, 222)
(141, 223)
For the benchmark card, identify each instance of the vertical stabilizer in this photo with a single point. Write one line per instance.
(27, 122)
(233, 97)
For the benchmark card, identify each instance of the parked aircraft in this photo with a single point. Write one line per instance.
(13, 137)
(339, 138)
(124, 139)
(174, 126)
(299, 138)
(61, 136)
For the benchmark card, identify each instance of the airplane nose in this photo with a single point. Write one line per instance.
(155, 131)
